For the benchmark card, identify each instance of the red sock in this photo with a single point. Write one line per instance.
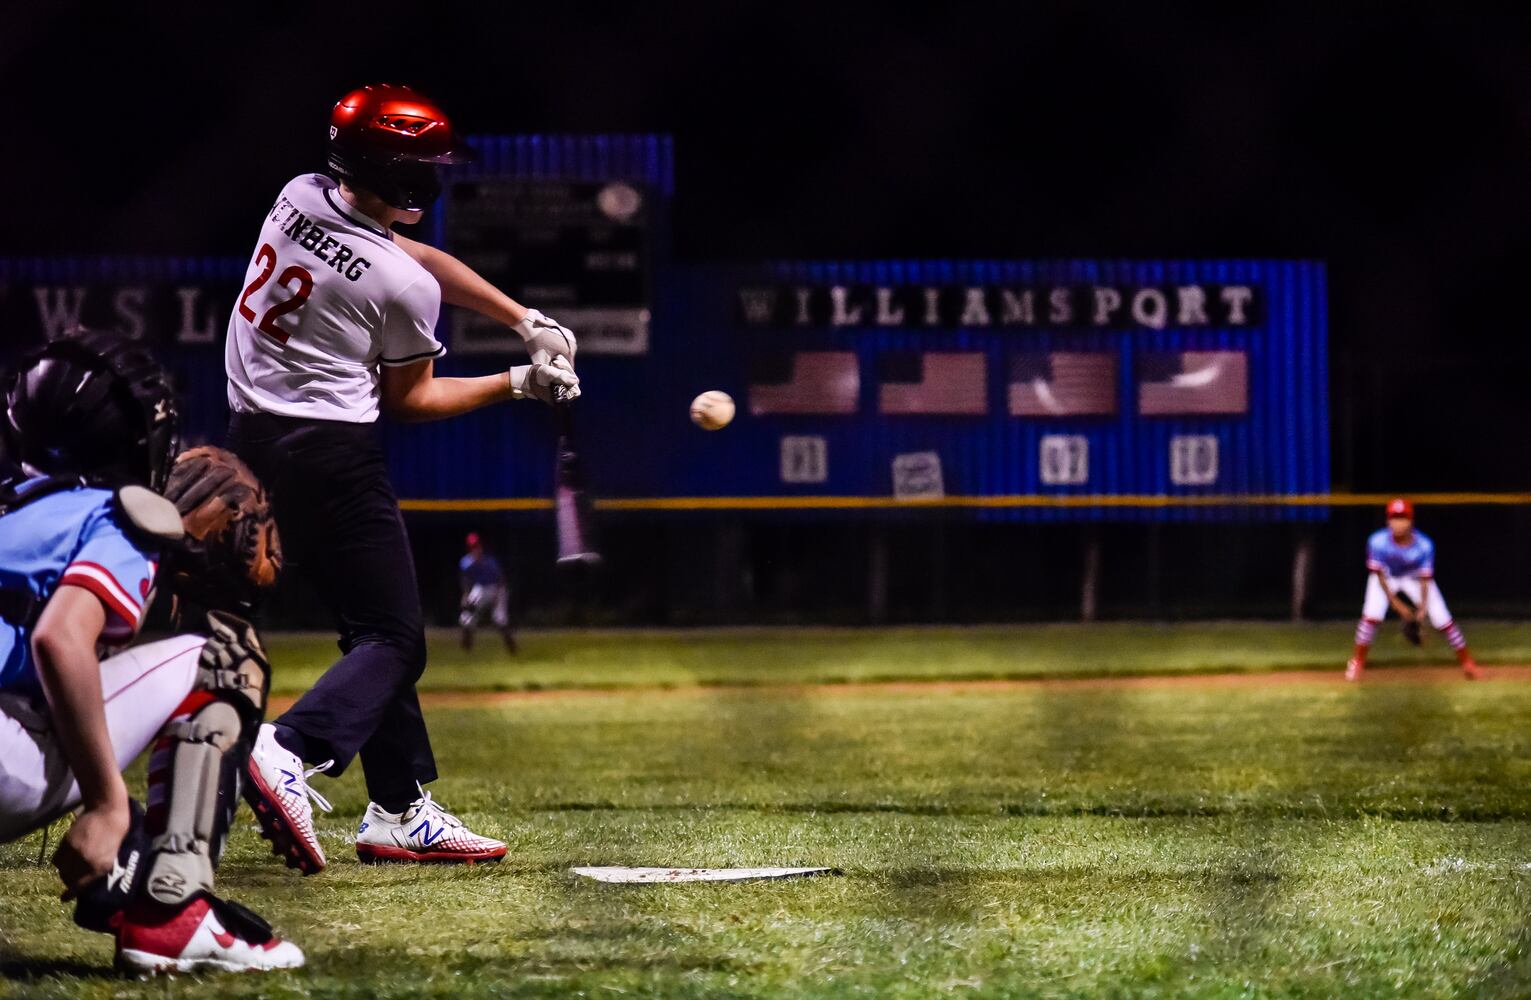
(1360, 654)
(1464, 656)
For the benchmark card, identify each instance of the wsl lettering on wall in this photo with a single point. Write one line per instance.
(184, 313)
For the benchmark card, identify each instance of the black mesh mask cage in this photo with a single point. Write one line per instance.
(95, 405)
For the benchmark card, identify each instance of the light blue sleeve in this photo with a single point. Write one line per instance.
(1375, 552)
(115, 569)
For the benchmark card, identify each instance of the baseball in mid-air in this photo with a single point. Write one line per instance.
(712, 410)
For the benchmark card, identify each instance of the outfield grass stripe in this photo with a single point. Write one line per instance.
(621, 659)
(1382, 676)
(1031, 810)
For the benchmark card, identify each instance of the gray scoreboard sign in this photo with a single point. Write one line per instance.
(578, 250)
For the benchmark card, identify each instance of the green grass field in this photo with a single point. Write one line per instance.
(1200, 839)
(658, 658)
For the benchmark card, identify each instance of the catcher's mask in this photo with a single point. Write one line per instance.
(231, 555)
(92, 404)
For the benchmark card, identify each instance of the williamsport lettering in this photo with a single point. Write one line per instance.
(311, 237)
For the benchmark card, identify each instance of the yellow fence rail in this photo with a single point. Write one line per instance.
(972, 502)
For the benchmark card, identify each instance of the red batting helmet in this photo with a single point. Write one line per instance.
(1400, 508)
(473, 540)
(388, 139)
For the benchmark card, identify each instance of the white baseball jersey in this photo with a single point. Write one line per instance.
(328, 298)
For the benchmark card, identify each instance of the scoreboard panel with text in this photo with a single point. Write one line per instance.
(1033, 389)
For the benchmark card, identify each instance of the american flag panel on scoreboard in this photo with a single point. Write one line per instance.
(1193, 382)
(937, 383)
(804, 382)
(1063, 384)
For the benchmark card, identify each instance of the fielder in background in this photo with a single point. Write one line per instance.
(485, 591)
(337, 324)
(1401, 562)
(84, 538)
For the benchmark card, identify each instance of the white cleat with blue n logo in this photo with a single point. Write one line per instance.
(276, 787)
(424, 832)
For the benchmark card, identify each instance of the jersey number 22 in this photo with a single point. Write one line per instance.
(266, 257)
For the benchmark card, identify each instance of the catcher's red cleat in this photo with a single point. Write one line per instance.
(205, 933)
(1353, 670)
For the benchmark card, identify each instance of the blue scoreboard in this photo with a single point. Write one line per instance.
(1028, 389)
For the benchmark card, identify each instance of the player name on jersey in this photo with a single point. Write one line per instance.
(308, 234)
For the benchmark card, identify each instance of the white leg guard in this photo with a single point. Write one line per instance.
(193, 793)
(199, 760)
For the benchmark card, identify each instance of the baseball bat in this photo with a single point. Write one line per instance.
(571, 502)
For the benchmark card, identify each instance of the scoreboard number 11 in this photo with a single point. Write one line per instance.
(1065, 459)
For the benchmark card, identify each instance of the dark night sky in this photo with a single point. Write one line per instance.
(1398, 149)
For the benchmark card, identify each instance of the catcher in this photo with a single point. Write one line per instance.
(1401, 563)
(84, 536)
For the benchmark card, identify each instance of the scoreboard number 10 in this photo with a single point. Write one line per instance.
(1193, 459)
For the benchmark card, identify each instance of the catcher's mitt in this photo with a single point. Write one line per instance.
(232, 554)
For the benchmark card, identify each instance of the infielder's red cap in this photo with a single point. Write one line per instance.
(1400, 508)
(472, 539)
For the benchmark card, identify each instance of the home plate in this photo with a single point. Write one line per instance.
(620, 873)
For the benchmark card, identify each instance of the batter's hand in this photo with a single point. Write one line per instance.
(546, 339)
(550, 383)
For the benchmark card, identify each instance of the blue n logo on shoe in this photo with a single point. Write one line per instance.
(362, 829)
(429, 836)
(290, 781)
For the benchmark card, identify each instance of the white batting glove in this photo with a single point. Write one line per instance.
(551, 383)
(545, 338)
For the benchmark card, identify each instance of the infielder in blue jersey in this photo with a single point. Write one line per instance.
(88, 435)
(1400, 562)
(485, 593)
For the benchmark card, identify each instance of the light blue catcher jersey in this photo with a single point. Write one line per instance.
(71, 537)
(1416, 559)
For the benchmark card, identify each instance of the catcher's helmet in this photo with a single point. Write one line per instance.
(388, 139)
(96, 405)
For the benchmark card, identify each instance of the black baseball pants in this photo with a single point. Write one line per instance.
(341, 529)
